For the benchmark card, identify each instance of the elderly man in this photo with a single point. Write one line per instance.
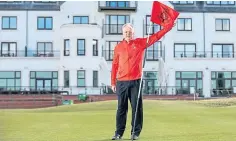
(126, 76)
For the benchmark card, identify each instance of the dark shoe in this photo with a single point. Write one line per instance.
(117, 137)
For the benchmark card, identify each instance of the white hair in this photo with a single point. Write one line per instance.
(128, 25)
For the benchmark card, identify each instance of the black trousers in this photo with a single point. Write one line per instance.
(128, 90)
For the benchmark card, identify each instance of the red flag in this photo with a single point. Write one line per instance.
(163, 14)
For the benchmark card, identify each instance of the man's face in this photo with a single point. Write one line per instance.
(127, 33)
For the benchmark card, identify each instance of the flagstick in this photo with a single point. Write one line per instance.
(139, 92)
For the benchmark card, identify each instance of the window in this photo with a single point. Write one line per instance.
(67, 47)
(187, 79)
(44, 1)
(44, 80)
(222, 83)
(109, 50)
(9, 22)
(95, 78)
(8, 49)
(222, 51)
(183, 2)
(45, 23)
(10, 1)
(66, 79)
(184, 24)
(114, 23)
(220, 3)
(10, 80)
(184, 50)
(222, 24)
(80, 20)
(44, 48)
(117, 4)
(150, 82)
(154, 27)
(81, 78)
(95, 47)
(80, 47)
(154, 52)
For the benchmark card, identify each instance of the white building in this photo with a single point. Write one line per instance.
(69, 46)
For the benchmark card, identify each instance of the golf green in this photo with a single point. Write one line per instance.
(213, 120)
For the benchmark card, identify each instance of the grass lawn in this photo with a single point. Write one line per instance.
(210, 120)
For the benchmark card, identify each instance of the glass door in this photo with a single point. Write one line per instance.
(39, 84)
(48, 85)
(44, 84)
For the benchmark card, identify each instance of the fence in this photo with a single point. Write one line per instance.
(100, 90)
(222, 92)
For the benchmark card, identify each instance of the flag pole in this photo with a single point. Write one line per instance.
(141, 81)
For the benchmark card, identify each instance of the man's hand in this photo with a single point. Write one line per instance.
(113, 88)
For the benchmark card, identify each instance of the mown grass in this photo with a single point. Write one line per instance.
(163, 121)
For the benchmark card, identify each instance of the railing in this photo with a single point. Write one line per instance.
(113, 29)
(103, 90)
(170, 90)
(153, 29)
(117, 5)
(222, 92)
(29, 53)
(100, 90)
(108, 55)
(154, 55)
(74, 90)
(201, 54)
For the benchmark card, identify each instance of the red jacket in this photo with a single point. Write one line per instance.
(127, 60)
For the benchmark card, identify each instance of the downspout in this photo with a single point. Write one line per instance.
(27, 32)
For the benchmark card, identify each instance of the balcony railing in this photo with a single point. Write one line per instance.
(117, 5)
(151, 55)
(201, 54)
(154, 55)
(108, 55)
(154, 29)
(29, 53)
(113, 29)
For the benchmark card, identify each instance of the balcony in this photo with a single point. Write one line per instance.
(201, 54)
(108, 55)
(117, 6)
(153, 29)
(154, 55)
(29, 53)
(151, 55)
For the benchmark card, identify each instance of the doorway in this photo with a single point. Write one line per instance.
(44, 84)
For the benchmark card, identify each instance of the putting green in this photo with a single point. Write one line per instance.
(213, 120)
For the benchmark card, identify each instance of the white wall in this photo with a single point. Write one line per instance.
(63, 29)
(213, 36)
(18, 35)
(42, 35)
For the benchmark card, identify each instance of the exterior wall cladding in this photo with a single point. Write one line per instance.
(66, 46)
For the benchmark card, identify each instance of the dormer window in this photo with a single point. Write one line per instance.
(183, 2)
(220, 2)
